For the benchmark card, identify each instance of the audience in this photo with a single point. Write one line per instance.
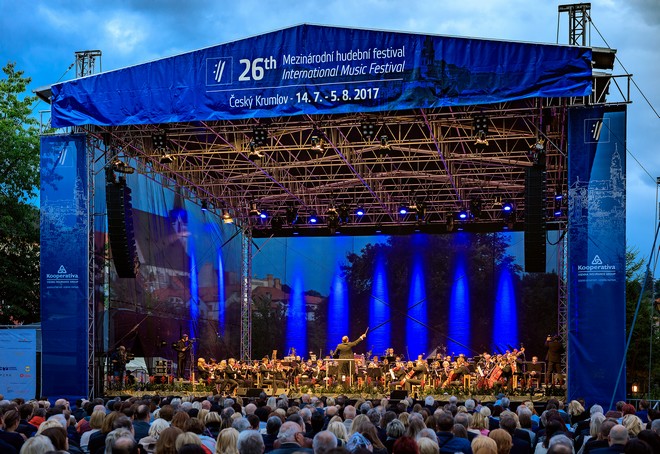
(322, 425)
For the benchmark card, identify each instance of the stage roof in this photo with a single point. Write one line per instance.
(313, 118)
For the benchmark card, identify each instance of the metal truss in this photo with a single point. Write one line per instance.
(246, 294)
(315, 163)
(562, 300)
(578, 23)
(91, 266)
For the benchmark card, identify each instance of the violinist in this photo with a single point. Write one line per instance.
(203, 369)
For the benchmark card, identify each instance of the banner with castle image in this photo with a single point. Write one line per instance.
(597, 252)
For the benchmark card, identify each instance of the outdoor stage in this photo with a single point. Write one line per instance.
(279, 192)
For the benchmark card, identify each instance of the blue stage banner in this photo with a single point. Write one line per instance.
(597, 253)
(18, 363)
(310, 69)
(64, 266)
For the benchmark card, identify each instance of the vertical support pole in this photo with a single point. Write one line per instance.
(91, 306)
(246, 294)
(562, 302)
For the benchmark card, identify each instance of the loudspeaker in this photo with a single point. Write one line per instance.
(120, 228)
(253, 392)
(398, 394)
(535, 229)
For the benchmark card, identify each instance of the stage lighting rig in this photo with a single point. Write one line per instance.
(476, 206)
(537, 152)
(343, 212)
(159, 141)
(420, 211)
(359, 211)
(368, 130)
(313, 218)
(260, 136)
(254, 209)
(120, 166)
(403, 210)
(205, 205)
(480, 128)
(226, 216)
(463, 215)
(254, 154)
(276, 223)
(317, 141)
(291, 215)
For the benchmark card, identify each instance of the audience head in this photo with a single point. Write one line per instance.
(502, 439)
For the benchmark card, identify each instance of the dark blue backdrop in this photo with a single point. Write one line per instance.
(597, 252)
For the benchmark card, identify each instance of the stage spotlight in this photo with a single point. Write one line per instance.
(537, 152)
(462, 215)
(343, 213)
(166, 158)
(450, 222)
(205, 205)
(559, 197)
(317, 141)
(120, 166)
(254, 153)
(333, 219)
(263, 214)
(558, 212)
(226, 216)
(476, 207)
(260, 136)
(276, 223)
(403, 210)
(291, 215)
(313, 219)
(368, 130)
(254, 209)
(420, 211)
(359, 211)
(480, 128)
(159, 142)
(507, 207)
(384, 141)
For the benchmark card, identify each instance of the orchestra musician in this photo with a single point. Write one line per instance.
(416, 375)
(534, 371)
(203, 369)
(118, 361)
(182, 347)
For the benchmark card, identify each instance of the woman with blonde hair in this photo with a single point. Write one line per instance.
(148, 443)
(227, 441)
(502, 439)
(479, 424)
(186, 438)
(634, 425)
(339, 429)
(95, 422)
(427, 446)
(484, 445)
(404, 417)
(358, 424)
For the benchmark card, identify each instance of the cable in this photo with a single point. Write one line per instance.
(624, 68)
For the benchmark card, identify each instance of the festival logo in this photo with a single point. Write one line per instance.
(218, 71)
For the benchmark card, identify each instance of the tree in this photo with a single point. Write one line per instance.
(19, 218)
(641, 359)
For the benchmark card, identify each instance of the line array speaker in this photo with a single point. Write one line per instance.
(120, 228)
(535, 229)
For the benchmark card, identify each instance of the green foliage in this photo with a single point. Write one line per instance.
(641, 361)
(19, 220)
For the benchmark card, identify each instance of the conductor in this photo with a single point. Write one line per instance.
(344, 352)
